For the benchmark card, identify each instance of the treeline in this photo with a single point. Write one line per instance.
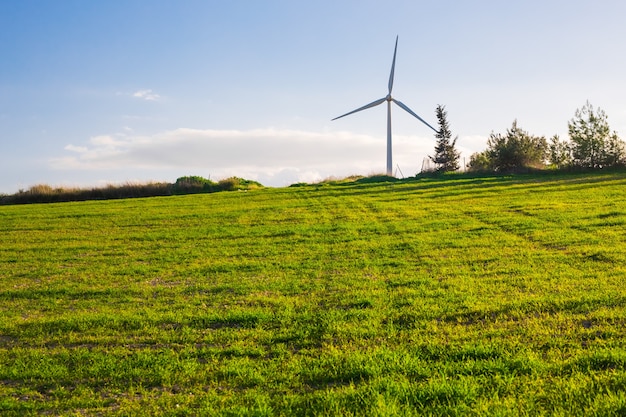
(43, 193)
(591, 145)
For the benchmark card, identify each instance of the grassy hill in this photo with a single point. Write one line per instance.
(466, 296)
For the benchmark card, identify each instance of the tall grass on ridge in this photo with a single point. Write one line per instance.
(43, 193)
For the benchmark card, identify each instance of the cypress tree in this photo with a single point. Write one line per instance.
(446, 155)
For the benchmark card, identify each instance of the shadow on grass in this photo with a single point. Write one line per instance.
(516, 312)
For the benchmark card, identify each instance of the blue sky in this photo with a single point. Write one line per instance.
(93, 92)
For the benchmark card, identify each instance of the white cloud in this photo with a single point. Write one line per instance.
(109, 141)
(78, 149)
(146, 95)
(271, 156)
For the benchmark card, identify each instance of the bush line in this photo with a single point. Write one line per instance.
(43, 193)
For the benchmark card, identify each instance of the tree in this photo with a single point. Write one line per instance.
(560, 152)
(516, 150)
(446, 155)
(615, 151)
(593, 144)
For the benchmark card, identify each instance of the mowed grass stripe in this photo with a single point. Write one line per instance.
(466, 296)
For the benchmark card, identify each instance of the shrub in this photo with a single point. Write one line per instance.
(516, 151)
(193, 184)
(236, 183)
(479, 162)
(229, 184)
(249, 184)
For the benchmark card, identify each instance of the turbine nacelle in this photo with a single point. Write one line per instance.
(389, 99)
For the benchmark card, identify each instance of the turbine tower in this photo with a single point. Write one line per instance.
(389, 99)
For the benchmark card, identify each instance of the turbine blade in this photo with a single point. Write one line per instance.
(367, 106)
(393, 66)
(399, 103)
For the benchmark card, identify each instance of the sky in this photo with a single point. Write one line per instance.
(107, 92)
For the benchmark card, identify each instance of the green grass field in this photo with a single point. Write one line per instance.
(462, 296)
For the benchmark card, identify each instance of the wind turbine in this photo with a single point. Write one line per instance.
(389, 99)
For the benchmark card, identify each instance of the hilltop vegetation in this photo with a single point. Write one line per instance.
(591, 145)
(496, 295)
(44, 193)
